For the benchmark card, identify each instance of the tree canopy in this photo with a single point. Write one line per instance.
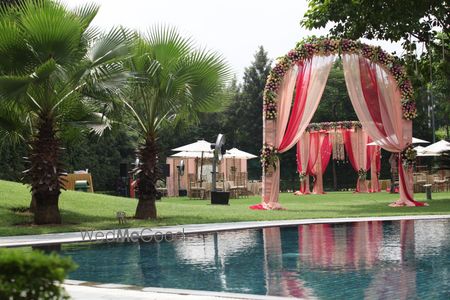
(380, 19)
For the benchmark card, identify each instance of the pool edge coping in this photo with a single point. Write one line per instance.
(76, 236)
(172, 291)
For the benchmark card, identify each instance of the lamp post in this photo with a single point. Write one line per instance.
(431, 110)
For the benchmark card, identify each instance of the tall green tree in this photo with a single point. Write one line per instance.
(380, 19)
(173, 82)
(335, 104)
(245, 123)
(54, 69)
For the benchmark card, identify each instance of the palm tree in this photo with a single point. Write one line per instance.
(173, 81)
(54, 69)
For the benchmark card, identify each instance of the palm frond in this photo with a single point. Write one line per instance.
(51, 31)
(44, 71)
(14, 52)
(167, 44)
(13, 86)
(13, 124)
(110, 47)
(86, 13)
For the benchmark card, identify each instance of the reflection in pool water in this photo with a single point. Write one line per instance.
(366, 260)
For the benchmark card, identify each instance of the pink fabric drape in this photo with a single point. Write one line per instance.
(314, 150)
(356, 146)
(324, 153)
(377, 103)
(303, 77)
(374, 153)
(274, 130)
(303, 150)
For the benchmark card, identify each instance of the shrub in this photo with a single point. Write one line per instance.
(32, 275)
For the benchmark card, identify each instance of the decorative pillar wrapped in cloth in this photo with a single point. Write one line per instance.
(356, 141)
(324, 154)
(303, 148)
(374, 153)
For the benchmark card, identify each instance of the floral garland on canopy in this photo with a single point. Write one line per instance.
(326, 126)
(309, 47)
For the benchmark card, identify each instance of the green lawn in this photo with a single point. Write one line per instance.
(96, 211)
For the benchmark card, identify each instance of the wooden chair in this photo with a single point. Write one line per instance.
(420, 179)
(233, 189)
(195, 191)
(440, 184)
(241, 184)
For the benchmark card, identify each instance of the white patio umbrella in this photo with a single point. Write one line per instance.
(437, 147)
(236, 153)
(419, 141)
(420, 152)
(414, 141)
(188, 154)
(198, 146)
(201, 146)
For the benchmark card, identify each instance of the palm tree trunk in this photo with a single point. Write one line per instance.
(45, 171)
(33, 204)
(147, 174)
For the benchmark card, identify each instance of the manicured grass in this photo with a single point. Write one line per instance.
(95, 211)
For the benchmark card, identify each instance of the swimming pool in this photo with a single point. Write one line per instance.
(373, 260)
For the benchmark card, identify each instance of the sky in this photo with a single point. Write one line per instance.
(234, 28)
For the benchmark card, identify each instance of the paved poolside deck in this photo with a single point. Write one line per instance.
(104, 235)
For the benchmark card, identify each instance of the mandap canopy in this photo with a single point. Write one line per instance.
(320, 140)
(379, 89)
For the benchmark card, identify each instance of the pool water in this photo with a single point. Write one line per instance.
(364, 260)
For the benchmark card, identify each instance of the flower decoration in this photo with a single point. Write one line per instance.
(309, 47)
(302, 176)
(362, 174)
(326, 126)
(270, 110)
(398, 72)
(409, 109)
(368, 51)
(348, 46)
(408, 156)
(269, 157)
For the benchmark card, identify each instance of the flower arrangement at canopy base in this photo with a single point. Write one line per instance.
(269, 157)
(408, 156)
(362, 174)
(302, 176)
